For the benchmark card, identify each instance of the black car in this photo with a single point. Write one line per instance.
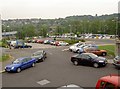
(116, 62)
(22, 46)
(89, 59)
(39, 55)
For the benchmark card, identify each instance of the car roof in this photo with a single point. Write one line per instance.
(87, 53)
(114, 79)
(23, 58)
(39, 51)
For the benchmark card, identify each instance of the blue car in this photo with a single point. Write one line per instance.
(20, 64)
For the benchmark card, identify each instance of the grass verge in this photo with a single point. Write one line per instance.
(5, 57)
(110, 49)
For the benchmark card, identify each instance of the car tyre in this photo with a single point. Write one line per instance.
(104, 54)
(75, 63)
(43, 59)
(18, 70)
(96, 65)
(77, 51)
(33, 64)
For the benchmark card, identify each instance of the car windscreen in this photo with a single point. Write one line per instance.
(93, 55)
(17, 61)
(37, 53)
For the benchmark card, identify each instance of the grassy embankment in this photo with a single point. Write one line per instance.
(110, 50)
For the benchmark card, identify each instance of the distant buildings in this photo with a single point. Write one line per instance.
(9, 34)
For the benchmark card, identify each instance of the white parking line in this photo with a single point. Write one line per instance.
(43, 82)
(65, 49)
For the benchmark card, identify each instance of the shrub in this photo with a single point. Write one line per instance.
(4, 57)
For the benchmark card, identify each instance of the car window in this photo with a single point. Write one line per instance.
(37, 53)
(88, 57)
(24, 60)
(27, 59)
(79, 56)
(83, 56)
(102, 84)
(17, 61)
(109, 86)
(93, 56)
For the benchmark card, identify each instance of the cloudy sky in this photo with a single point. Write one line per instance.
(50, 9)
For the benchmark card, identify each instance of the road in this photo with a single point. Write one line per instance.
(57, 70)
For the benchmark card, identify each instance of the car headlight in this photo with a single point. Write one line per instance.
(101, 61)
(12, 68)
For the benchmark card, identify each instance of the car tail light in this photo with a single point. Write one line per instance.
(118, 62)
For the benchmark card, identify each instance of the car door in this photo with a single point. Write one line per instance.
(83, 59)
(29, 62)
(24, 63)
(86, 60)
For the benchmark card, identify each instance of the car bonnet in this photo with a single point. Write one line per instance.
(101, 58)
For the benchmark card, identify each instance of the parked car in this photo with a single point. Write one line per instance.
(78, 49)
(56, 43)
(46, 41)
(89, 59)
(40, 41)
(39, 55)
(96, 51)
(52, 42)
(70, 86)
(108, 82)
(116, 62)
(62, 43)
(20, 64)
(22, 46)
(29, 41)
(74, 45)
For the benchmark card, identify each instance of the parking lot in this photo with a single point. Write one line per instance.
(57, 70)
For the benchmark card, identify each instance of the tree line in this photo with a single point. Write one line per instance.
(105, 24)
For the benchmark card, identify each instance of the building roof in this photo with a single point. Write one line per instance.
(9, 33)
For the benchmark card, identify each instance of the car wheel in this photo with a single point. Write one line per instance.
(43, 58)
(18, 70)
(75, 63)
(77, 51)
(104, 54)
(96, 65)
(33, 64)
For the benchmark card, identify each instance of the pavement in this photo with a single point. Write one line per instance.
(39, 46)
(55, 71)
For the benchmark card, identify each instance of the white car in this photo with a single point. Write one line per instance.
(79, 49)
(62, 43)
(71, 86)
(74, 45)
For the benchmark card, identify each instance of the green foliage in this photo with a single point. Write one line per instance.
(73, 41)
(5, 57)
(105, 24)
(110, 49)
(3, 43)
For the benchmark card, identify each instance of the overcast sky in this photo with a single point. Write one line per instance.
(50, 9)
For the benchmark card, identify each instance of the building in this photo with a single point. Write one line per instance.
(9, 34)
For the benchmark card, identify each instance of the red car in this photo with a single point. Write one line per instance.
(40, 41)
(108, 82)
(56, 43)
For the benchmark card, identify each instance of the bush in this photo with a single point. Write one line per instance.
(3, 43)
(5, 57)
(72, 41)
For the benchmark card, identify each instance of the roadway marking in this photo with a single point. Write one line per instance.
(43, 82)
(65, 49)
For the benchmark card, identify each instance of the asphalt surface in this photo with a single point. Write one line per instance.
(57, 70)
